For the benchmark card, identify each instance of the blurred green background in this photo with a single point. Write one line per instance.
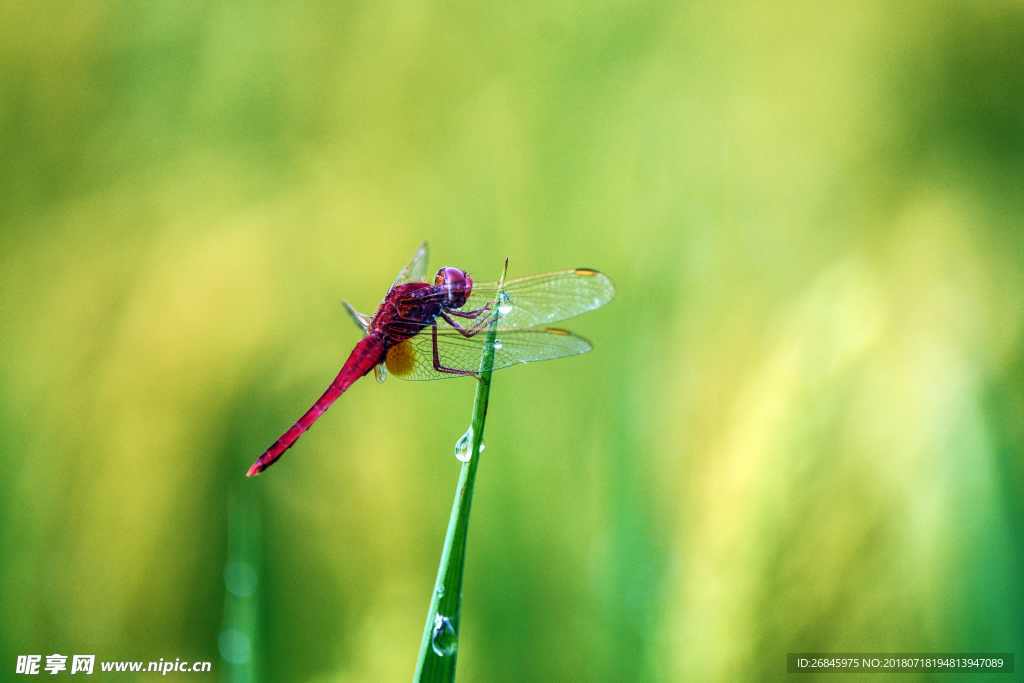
(801, 428)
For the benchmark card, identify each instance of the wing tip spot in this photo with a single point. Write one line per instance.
(586, 271)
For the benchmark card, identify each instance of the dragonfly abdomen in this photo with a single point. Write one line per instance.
(368, 352)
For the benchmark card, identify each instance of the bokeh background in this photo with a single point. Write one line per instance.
(801, 428)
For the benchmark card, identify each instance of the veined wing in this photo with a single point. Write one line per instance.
(415, 270)
(414, 358)
(540, 300)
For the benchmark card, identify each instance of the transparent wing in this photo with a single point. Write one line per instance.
(415, 270)
(414, 358)
(361, 320)
(540, 300)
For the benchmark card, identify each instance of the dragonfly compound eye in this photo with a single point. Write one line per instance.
(457, 285)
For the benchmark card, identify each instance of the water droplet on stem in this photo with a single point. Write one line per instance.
(443, 639)
(464, 446)
(504, 304)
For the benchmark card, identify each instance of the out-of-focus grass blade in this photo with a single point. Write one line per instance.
(239, 637)
(439, 648)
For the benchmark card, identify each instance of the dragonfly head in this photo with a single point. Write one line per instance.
(457, 285)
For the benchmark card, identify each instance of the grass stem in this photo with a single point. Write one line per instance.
(439, 648)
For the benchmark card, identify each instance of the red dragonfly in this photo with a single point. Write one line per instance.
(432, 331)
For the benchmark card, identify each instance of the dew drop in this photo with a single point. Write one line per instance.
(504, 304)
(443, 639)
(463, 446)
(440, 591)
(481, 446)
(240, 579)
(236, 648)
(497, 344)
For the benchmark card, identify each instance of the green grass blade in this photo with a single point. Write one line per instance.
(446, 600)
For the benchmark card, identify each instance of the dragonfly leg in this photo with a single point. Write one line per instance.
(471, 332)
(437, 359)
(472, 315)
